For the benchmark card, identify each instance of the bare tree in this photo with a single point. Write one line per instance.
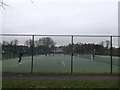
(3, 4)
(15, 42)
(47, 43)
(15, 45)
(28, 43)
(107, 44)
(102, 43)
(5, 43)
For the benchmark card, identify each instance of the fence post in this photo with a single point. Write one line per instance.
(72, 56)
(32, 54)
(111, 52)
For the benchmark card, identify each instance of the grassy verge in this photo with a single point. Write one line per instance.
(59, 84)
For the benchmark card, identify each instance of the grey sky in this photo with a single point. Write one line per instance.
(61, 17)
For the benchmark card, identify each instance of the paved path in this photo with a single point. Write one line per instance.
(61, 78)
(19, 76)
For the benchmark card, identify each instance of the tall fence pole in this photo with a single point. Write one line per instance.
(32, 54)
(111, 52)
(72, 56)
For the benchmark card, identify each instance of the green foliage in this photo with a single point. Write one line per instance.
(46, 45)
(59, 84)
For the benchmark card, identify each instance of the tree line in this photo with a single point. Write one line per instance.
(47, 46)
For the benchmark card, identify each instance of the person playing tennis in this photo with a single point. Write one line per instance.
(20, 58)
(93, 55)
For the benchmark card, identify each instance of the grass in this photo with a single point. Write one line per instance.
(59, 84)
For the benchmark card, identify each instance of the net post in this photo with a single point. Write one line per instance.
(32, 54)
(111, 52)
(72, 55)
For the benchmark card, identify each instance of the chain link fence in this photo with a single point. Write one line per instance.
(60, 53)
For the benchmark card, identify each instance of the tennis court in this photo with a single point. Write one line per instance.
(61, 64)
(60, 53)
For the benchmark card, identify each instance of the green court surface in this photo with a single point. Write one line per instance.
(61, 64)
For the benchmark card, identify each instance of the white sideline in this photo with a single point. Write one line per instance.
(63, 63)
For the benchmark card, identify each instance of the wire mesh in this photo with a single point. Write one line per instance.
(60, 53)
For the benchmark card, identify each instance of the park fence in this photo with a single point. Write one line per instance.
(60, 53)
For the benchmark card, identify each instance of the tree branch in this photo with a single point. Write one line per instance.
(2, 4)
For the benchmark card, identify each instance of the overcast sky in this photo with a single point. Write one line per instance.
(61, 17)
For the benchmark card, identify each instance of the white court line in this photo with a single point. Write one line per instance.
(63, 63)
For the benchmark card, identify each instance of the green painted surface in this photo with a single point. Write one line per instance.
(60, 64)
